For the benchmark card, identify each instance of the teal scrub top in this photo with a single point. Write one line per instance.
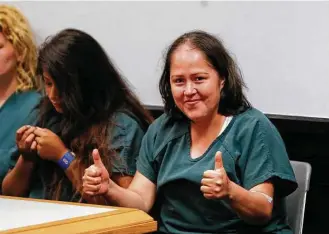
(252, 151)
(17, 111)
(126, 138)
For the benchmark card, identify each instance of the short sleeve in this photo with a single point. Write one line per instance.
(264, 158)
(149, 163)
(126, 140)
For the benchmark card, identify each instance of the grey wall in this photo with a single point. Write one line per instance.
(281, 47)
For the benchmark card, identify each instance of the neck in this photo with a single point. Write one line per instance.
(209, 126)
(8, 85)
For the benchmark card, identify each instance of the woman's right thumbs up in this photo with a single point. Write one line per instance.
(96, 177)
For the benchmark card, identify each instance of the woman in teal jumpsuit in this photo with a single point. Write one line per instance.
(211, 163)
(18, 86)
(87, 105)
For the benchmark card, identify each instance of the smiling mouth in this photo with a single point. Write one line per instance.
(192, 102)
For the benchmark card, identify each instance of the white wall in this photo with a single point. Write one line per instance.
(281, 47)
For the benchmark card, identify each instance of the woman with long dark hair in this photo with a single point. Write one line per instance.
(88, 105)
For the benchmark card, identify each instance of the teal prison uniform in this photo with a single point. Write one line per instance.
(253, 152)
(126, 138)
(17, 111)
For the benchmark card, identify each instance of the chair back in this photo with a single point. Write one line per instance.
(295, 202)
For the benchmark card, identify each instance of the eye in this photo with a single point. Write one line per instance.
(200, 78)
(178, 80)
(48, 84)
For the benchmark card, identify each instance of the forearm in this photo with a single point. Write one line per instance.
(119, 196)
(74, 175)
(17, 181)
(252, 207)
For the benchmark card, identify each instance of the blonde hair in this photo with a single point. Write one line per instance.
(16, 29)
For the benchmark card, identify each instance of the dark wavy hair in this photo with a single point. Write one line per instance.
(232, 99)
(91, 91)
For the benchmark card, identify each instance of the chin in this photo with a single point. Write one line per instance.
(195, 116)
(59, 110)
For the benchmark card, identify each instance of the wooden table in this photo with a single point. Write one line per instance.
(119, 220)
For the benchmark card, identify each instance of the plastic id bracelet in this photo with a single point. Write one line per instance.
(66, 160)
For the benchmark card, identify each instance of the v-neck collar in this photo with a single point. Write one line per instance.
(10, 99)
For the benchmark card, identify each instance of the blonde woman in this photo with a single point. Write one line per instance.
(18, 95)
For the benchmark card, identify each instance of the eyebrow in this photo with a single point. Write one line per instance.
(46, 78)
(193, 74)
(199, 73)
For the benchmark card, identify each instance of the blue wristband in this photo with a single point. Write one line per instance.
(66, 160)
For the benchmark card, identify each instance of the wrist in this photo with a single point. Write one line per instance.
(27, 160)
(230, 190)
(30, 157)
(110, 189)
(65, 161)
(108, 192)
(60, 154)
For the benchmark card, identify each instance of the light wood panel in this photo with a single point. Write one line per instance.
(121, 220)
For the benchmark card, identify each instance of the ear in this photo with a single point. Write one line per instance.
(20, 57)
(222, 83)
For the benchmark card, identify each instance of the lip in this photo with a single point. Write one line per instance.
(55, 103)
(191, 102)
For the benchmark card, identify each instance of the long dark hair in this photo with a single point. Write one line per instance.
(232, 101)
(91, 91)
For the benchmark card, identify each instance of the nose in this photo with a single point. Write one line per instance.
(53, 94)
(189, 89)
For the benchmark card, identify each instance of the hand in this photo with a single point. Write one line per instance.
(49, 145)
(96, 178)
(215, 184)
(25, 141)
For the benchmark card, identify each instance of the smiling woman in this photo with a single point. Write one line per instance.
(18, 95)
(211, 163)
(195, 84)
(8, 57)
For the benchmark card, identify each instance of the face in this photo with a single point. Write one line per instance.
(52, 92)
(195, 84)
(8, 59)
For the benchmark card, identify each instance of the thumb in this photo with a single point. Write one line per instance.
(218, 160)
(97, 158)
